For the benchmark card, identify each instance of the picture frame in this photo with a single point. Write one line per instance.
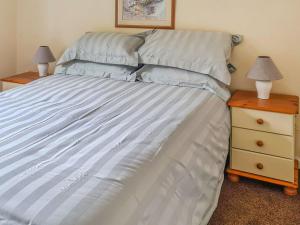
(148, 14)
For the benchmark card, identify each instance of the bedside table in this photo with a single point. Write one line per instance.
(18, 80)
(263, 139)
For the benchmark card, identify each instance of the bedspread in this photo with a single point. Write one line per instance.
(80, 150)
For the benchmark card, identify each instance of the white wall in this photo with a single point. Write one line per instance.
(8, 16)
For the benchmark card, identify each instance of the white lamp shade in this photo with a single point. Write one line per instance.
(264, 69)
(43, 55)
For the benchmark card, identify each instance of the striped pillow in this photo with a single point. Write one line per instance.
(201, 52)
(110, 48)
(83, 68)
(182, 78)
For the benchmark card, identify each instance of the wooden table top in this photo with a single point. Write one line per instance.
(22, 78)
(287, 104)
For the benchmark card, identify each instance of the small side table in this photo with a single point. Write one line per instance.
(18, 80)
(263, 139)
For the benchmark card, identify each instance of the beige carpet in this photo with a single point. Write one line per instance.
(255, 203)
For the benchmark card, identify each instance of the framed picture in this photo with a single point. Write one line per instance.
(158, 14)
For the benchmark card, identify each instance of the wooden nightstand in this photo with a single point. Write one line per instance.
(263, 139)
(18, 80)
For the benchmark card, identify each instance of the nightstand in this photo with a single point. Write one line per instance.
(18, 80)
(263, 139)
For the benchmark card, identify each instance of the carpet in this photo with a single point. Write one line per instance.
(252, 202)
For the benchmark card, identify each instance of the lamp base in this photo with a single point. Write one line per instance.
(264, 89)
(43, 69)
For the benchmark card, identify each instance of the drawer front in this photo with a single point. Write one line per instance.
(7, 86)
(262, 142)
(263, 121)
(264, 165)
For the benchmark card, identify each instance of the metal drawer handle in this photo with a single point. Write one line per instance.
(260, 121)
(260, 143)
(259, 166)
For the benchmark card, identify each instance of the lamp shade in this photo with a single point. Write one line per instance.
(43, 55)
(264, 69)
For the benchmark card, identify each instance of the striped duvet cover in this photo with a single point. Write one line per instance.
(78, 150)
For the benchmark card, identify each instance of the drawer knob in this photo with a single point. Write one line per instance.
(260, 143)
(259, 166)
(260, 121)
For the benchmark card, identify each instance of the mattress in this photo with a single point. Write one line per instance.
(82, 150)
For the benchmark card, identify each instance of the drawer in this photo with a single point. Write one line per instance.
(262, 142)
(7, 86)
(263, 121)
(273, 167)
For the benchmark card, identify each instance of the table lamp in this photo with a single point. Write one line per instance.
(264, 72)
(42, 58)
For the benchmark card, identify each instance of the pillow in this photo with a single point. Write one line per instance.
(202, 52)
(116, 72)
(110, 48)
(182, 78)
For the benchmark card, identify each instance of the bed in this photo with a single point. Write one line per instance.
(84, 150)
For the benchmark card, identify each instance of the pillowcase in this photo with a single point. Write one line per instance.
(110, 48)
(182, 78)
(116, 72)
(202, 52)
